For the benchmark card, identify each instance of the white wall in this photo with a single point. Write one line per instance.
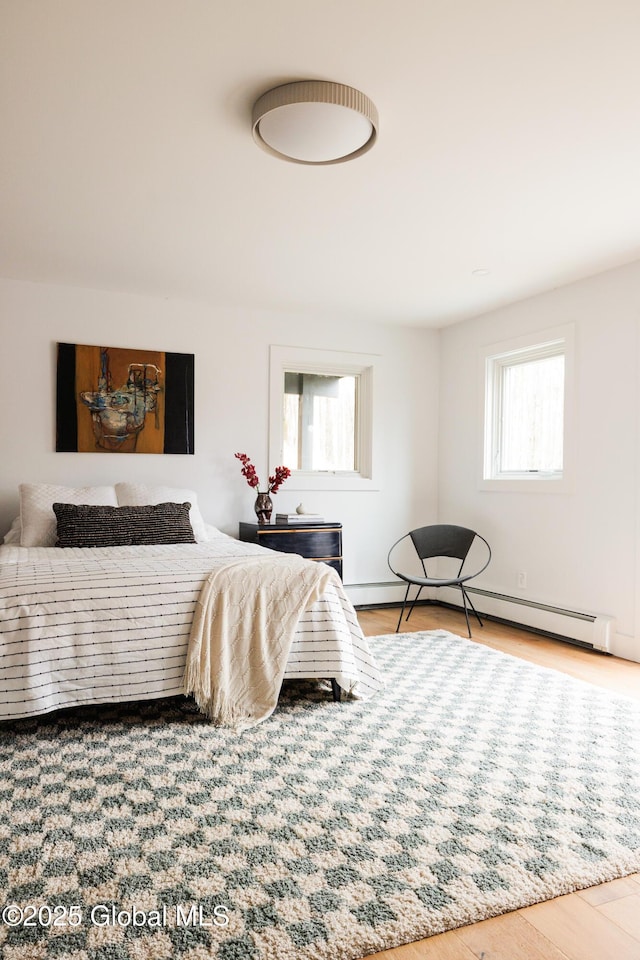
(231, 350)
(577, 548)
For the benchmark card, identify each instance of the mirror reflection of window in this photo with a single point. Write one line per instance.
(320, 422)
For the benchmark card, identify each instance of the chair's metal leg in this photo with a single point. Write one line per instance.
(335, 690)
(466, 614)
(470, 602)
(415, 600)
(404, 603)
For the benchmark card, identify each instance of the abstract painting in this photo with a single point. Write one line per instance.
(120, 400)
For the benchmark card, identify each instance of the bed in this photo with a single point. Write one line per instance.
(88, 625)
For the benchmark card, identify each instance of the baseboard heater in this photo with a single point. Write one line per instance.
(593, 630)
(583, 628)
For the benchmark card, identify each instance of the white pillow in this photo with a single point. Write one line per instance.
(13, 536)
(141, 494)
(213, 533)
(36, 508)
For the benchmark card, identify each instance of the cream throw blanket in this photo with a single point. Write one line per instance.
(242, 632)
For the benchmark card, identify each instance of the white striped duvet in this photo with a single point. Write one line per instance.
(81, 626)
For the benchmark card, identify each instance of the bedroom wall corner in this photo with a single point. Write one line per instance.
(579, 547)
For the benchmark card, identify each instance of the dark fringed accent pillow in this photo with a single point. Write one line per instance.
(80, 525)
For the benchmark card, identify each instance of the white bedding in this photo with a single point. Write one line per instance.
(81, 626)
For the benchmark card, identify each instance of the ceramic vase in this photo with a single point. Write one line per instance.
(263, 507)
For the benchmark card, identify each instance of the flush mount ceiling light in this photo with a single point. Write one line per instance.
(315, 121)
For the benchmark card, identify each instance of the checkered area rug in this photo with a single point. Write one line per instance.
(475, 784)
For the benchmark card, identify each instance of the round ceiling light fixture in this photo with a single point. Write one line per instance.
(315, 122)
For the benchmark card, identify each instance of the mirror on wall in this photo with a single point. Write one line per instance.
(319, 422)
(321, 413)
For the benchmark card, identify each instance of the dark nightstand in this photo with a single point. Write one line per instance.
(316, 541)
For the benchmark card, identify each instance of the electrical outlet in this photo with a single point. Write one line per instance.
(522, 580)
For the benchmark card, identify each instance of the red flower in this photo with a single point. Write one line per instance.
(249, 473)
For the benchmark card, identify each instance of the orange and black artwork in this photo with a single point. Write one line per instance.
(120, 400)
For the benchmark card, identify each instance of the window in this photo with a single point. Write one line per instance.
(525, 422)
(320, 421)
(321, 417)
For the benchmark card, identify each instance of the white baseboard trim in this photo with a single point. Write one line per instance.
(362, 594)
(628, 648)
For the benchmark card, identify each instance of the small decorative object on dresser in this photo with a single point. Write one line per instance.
(299, 518)
(263, 505)
(301, 515)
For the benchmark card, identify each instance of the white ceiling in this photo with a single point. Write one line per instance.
(509, 142)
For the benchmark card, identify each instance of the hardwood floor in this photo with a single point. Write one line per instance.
(600, 923)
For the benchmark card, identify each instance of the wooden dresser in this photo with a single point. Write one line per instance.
(316, 541)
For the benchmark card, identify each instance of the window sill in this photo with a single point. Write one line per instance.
(330, 480)
(527, 485)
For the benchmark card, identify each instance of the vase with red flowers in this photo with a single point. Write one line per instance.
(264, 504)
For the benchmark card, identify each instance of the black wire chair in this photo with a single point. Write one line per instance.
(441, 540)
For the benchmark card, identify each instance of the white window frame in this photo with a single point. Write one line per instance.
(494, 359)
(285, 359)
